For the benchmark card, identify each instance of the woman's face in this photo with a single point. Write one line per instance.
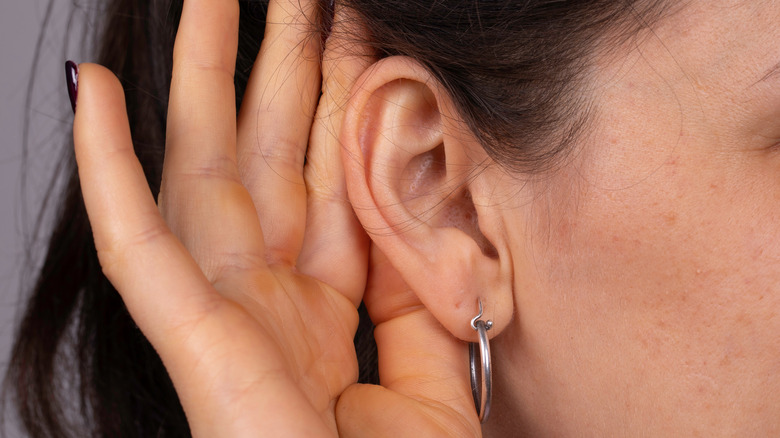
(647, 271)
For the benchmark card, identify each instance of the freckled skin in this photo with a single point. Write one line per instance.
(647, 270)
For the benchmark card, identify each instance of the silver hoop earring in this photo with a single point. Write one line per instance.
(482, 384)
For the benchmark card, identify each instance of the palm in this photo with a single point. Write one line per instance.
(290, 330)
(236, 275)
(422, 369)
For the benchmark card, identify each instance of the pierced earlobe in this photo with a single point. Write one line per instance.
(410, 169)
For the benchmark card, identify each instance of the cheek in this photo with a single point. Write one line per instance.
(680, 242)
(664, 289)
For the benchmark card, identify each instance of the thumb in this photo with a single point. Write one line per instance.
(423, 369)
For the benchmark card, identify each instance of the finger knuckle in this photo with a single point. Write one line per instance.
(189, 183)
(281, 158)
(283, 151)
(194, 67)
(218, 167)
(116, 253)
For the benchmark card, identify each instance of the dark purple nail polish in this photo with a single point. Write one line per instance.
(72, 79)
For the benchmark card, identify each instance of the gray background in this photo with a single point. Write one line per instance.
(21, 22)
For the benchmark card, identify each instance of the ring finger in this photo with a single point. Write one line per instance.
(274, 124)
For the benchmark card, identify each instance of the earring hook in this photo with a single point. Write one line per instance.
(488, 323)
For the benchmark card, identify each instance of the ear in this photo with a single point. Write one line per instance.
(416, 177)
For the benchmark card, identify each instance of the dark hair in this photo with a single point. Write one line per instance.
(514, 69)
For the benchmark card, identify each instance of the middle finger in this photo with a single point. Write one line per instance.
(202, 198)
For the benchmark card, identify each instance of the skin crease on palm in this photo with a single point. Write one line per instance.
(647, 269)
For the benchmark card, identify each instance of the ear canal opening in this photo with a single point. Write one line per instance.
(461, 213)
(425, 178)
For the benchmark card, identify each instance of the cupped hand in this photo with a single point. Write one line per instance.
(425, 389)
(250, 306)
(246, 274)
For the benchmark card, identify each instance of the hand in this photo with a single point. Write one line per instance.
(423, 369)
(245, 279)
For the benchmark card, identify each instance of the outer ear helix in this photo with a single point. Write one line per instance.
(481, 381)
(445, 262)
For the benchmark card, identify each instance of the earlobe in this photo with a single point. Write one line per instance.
(410, 170)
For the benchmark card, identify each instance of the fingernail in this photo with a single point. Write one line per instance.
(72, 79)
(327, 19)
